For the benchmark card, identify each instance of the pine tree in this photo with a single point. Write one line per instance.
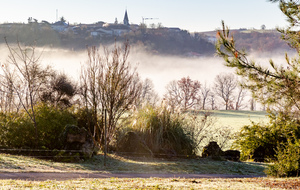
(275, 85)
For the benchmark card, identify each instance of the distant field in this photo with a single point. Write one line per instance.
(232, 122)
(237, 119)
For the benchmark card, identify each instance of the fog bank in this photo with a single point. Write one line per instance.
(160, 69)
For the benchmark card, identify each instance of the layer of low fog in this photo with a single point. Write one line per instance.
(161, 69)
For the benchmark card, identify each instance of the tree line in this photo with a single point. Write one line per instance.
(225, 93)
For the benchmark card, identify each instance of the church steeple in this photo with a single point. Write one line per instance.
(126, 20)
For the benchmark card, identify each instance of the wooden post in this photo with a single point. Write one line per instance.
(105, 140)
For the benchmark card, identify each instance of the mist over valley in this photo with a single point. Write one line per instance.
(161, 54)
(161, 69)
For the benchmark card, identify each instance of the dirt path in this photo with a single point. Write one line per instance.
(68, 176)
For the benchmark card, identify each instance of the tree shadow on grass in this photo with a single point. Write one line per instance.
(120, 164)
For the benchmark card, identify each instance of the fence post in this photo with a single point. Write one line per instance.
(105, 140)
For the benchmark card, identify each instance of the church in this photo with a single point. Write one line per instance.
(114, 29)
(126, 20)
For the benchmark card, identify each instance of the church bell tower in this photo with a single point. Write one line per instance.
(126, 20)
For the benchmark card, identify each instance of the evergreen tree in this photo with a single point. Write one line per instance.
(275, 85)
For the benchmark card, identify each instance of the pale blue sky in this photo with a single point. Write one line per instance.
(192, 15)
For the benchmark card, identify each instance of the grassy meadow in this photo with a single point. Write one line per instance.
(229, 123)
(235, 120)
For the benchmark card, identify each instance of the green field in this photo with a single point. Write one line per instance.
(237, 119)
(227, 123)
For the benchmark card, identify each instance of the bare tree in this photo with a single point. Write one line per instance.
(184, 93)
(201, 126)
(148, 94)
(212, 100)
(190, 92)
(252, 104)
(120, 86)
(224, 87)
(240, 97)
(25, 78)
(91, 92)
(8, 99)
(172, 95)
(113, 84)
(205, 91)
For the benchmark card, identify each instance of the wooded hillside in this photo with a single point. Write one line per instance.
(160, 40)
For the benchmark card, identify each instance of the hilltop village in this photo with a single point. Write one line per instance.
(153, 38)
(96, 30)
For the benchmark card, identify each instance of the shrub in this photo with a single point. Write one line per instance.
(279, 140)
(17, 130)
(86, 119)
(252, 137)
(268, 137)
(288, 160)
(51, 122)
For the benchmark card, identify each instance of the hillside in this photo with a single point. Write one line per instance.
(258, 41)
(157, 40)
(160, 40)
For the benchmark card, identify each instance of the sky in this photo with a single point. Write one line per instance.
(191, 15)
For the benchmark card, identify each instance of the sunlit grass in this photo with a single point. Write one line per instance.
(119, 164)
(235, 120)
(228, 123)
(155, 183)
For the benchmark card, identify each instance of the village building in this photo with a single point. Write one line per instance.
(60, 26)
(113, 29)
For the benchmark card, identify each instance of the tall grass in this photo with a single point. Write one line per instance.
(162, 131)
(173, 133)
